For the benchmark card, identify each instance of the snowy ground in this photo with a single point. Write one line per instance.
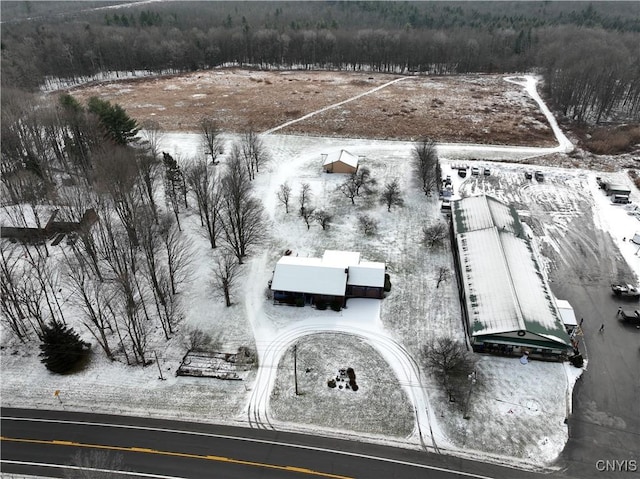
(516, 411)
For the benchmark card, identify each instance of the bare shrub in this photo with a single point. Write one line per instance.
(198, 340)
(434, 234)
(368, 225)
(613, 140)
(391, 196)
(451, 364)
(442, 274)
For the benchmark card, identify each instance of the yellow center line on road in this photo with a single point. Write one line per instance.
(145, 450)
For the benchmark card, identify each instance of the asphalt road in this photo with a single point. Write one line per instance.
(172, 449)
(605, 425)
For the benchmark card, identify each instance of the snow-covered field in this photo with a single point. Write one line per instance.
(516, 413)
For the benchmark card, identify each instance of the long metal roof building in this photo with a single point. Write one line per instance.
(506, 298)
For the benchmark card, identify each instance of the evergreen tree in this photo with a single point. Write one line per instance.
(61, 348)
(118, 126)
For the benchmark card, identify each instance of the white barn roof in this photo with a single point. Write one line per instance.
(505, 289)
(491, 298)
(342, 156)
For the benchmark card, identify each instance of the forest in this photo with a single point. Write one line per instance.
(587, 52)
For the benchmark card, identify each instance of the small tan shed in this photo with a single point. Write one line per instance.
(340, 162)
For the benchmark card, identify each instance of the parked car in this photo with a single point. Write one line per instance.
(528, 175)
(475, 171)
(620, 200)
(539, 175)
(629, 316)
(487, 172)
(462, 173)
(625, 290)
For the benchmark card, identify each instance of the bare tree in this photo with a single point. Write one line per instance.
(284, 195)
(149, 161)
(11, 291)
(155, 272)
(323, 218)
(368, 225)
(442, 274)
(47, 280)
(29, 193)
(179, 252)
(435, 234)
(31, 297)
(254, 152)
(391, 195)
(94, 298)
(152, 135)
(129, 303)
(305, 197)
(116, 174)
(211, 138)
(225, 274)
(363, 181)
(308, 215)
(203, 182)
(427, 164)
(451, 363)
(349, 189)
(81, 204)
(243, 220)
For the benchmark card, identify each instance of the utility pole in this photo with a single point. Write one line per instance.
(159, 368)
(472, 381)
(295, 366)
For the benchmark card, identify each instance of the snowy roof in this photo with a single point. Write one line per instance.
(309, 275)
(342, 156)
(505, 290)
(343, 258)
(367, 274)
(479, 212)
(326, 275)
(22, 216)
(566, 312)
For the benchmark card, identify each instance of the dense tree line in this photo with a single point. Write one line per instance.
(588, 52)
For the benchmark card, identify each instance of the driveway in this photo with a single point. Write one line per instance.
(605, 425)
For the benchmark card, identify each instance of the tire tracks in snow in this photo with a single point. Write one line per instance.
(404, 366)
(335, 105)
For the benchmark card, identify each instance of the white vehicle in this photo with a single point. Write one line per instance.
(625, 290)
(620, 199)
